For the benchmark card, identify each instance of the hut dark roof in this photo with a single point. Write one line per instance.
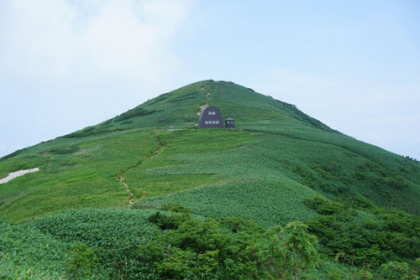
(210, 118)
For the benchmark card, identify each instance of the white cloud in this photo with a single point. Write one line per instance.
(134, 44)
(63, 39)
(66, 64)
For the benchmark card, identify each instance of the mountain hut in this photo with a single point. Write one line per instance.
(229, 123)
(210, 118)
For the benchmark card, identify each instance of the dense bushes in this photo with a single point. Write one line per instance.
(100, 243)
(362, 238)
(81, 261)
(171, 244)
(234, 248)
(400, 270)
(377, 176)
(145, 244)
(26, 253)
(62, 150)
(324, 206)
(136, 112)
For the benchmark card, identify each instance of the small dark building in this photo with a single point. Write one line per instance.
(229, 123)
(210, 118)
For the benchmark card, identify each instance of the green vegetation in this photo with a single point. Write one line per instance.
(84, 244)
(231, 249)
(279, 169)
(169, 243)
(366, 235)
(115, 244)
(73, 174)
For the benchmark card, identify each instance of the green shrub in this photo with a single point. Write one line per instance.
(369, 239)
(62, 150)
(397, 182)
(195, 249)
(81, 261)
(167, 222)
(324, 206)
(362, 202)
(136, 112)
(236, 224)
(176, 208)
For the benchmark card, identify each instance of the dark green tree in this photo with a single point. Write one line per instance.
(285, 252)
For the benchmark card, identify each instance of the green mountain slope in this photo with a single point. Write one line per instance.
(278, 165)
(276, 158)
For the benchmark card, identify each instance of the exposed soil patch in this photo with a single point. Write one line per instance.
(202, 107)
(130, 199)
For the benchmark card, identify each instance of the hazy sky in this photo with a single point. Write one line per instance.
(67, 64)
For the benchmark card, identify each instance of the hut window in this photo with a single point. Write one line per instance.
(212, 113)
(217, 122)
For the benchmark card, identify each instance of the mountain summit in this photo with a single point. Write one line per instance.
(274, 159)
(181, 108)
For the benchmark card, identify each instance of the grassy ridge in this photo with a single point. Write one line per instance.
(86, 176)
(277, 166)
(271, 176)
(275, 147)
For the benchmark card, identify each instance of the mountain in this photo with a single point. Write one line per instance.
(278, 165)
(278, 155)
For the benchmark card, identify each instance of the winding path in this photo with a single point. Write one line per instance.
(207, 104)
(130, 199)
(157, 152)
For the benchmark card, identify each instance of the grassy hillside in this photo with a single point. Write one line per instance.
(278, 165)
(277, 153)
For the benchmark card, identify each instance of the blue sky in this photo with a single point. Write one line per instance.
(67, 64)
